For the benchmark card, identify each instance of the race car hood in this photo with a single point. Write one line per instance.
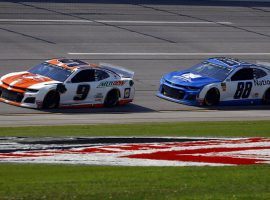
(187, 78)
(25, 80)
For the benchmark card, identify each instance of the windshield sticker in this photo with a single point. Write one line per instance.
(111, 84)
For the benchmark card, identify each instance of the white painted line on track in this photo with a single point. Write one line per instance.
(169, 54)
(111, 21)
(162, 22)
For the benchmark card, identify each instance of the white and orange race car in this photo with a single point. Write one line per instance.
(68, 83)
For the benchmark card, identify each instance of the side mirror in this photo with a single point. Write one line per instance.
(228, 80)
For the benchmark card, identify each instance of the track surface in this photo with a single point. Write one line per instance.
(31, 32)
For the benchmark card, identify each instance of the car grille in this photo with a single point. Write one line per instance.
(11, 95)
(182, 86)
(172, 92)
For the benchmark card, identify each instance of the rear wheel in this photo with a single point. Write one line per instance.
(266, 97)
(51, 100)
(112, 98)
(212, 97)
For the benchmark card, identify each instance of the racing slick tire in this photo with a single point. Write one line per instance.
(266, 97)
(212, 97)
(51, 100)
(112, 98)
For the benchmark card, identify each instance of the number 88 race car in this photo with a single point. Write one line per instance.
(223, 81)
(68, 83)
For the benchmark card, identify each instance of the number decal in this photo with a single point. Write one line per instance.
(239, 90)
(243, 90)
(82, 92)
(247, 90)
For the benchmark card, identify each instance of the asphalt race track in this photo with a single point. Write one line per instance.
(150, 39)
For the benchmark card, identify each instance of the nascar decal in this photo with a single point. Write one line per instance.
(137, 151)
(111, 84)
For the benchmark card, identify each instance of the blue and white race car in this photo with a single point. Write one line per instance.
(218, 81)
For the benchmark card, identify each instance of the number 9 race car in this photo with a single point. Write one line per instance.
(223, 81)
(68, 83)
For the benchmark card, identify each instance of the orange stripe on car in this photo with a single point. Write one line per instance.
(12, 78)
(24, 80)
(27, 82)
(10, 102)
(12, 89)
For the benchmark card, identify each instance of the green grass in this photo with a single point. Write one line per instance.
(91, 182)
(36, 181)
(229, 129)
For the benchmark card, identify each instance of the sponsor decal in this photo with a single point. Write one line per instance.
(187, 77)
(111, 84)
(127, 93)
(98, 97)
(34, 77)
(137, 151)
(261, 83)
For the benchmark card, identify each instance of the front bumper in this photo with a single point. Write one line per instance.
(18, 98)
(179, 95)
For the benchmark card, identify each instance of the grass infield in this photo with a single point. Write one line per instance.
(210, 129)
(36, 181)
(99, 182)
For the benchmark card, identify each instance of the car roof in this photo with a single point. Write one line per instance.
(229, 62)
(71, 64)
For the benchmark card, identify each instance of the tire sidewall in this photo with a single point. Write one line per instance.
(112, 98)
(212, 97)
(266, 97)
(51, 100)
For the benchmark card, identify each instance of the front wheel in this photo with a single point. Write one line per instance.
(112, 98)
(212, 97)
(266, 97)
(51, 100)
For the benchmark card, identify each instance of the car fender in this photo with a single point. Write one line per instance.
(206, 88)
(44, 91)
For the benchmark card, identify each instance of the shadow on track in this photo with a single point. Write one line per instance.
(236, 108)
(129, 108)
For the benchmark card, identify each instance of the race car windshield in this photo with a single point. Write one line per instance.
(211, 70)
(51, 71)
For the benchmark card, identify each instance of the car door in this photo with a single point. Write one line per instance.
(79, 88)
(240, 86)
(260, 83)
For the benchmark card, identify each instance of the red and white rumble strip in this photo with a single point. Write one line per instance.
(197, 152)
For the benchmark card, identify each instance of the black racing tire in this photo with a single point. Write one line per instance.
(212, 97)
(51, 100)
(266, 97)
(112, 98)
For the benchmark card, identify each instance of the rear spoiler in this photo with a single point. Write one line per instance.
(124, 73)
